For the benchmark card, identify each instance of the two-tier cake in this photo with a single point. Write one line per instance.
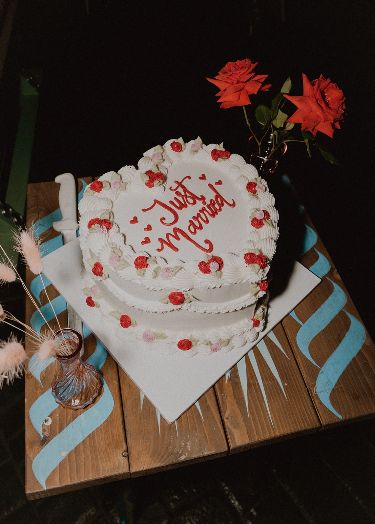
(177, 252)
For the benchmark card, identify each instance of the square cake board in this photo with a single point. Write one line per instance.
(172, 384)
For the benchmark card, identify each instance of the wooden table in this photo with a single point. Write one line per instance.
(315, 369)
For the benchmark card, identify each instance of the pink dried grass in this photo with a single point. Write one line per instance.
(28, 246)
(12, 358)
(7, 274)
(47, 348)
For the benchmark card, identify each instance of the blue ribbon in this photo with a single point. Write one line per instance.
(338, 361)
(320, 320)
(343, 354)
(89, 420)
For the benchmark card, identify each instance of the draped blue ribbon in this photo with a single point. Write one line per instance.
(341, 357)
(320, 319)
(88, 420)
(339, 360)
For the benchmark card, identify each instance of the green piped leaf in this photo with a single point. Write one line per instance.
(287, 86)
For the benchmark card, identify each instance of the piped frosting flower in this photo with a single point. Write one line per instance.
(184, 344)
(155, 178)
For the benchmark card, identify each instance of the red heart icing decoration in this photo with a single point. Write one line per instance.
(148, 227)
(218, 182)
(202, 177)
(134, 220)
(146, 240)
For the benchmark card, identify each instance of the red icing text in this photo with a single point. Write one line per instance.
(184, 198)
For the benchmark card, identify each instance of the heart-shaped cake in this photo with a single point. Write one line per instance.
(196, 283)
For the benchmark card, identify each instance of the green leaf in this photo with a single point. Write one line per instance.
(308, 136)
(287, 86)
(307, 144)
(275, 103)
(280, 119)
(328, 156)
(263, 114)
(289, 126)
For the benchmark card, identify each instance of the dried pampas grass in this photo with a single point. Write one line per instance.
(12, 358)
(28, 246)
(7, 274)
(47, 348)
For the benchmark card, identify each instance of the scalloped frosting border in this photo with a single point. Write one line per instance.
(104, 247)
(190, 342)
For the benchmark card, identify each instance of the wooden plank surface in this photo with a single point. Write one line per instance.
(85, 447)
(264, 396)
(155, 445)
(333, 350)
(315, 368)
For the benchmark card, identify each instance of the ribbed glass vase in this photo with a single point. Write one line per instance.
(77, 384)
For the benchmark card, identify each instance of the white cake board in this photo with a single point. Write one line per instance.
(171, 384)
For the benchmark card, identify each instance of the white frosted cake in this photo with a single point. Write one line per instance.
(177, 252)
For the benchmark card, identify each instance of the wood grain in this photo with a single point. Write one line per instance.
(281, 410)
(155, 445)
(100, 457)
(353, 394)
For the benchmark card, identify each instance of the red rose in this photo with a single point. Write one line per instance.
(251, 187)
(176, 146)
(257, 222)
(90, 302)
(236, 81)
(225, 155)
(204, 267)
(320, 108)
(220, 153)
(97, 269)
(266, 214)
(251, 258)
(184, 344)
(263, 285)
(215, 155)
(96, 186)
(262, 260)
(106, 224)
(159, 176)
(176, 298)
(154, 177)
(141, 262)
(218, 260)
(125, 321)
(93, 222)
(256, 322)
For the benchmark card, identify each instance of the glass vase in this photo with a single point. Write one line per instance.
(266, 157)
(76, 384)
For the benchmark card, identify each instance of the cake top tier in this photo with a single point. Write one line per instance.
(190, 216)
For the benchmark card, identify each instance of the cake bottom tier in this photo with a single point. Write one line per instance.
(181, 330)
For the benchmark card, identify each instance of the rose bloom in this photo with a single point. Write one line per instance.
(97, 186)
(176, 298)
(237, 82)
(125, 321)
(320, 108)
(184, 344)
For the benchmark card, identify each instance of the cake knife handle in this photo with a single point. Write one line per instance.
(68, 226)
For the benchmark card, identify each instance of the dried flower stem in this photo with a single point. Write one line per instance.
(22, 330)
(11, 317)
(50, 301)
(249, 126)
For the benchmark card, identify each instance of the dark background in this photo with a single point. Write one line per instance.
(129, 75)
(119, 77)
